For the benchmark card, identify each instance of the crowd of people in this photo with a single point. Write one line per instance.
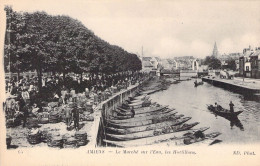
(24, 96)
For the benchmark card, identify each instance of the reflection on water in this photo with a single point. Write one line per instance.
(236, 122)
(192, 101)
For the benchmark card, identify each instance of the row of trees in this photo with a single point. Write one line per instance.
(46, 43)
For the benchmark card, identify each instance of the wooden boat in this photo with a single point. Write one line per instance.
(138, 100)
(138, 97)
(142, 118)
(145, 122)
(198, 83)
(121, 117)
(193, 139)
(149, 127)
(140, 104)
(223, 112)
(141, 110)
(151, 133)
(137, 103)
(148, 92)
(152, 140)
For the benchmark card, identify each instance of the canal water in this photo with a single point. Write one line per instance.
(192, 102)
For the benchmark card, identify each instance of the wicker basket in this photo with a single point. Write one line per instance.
(44, 120)
(55, 141)
(53, 104)
(32, 123)
(81, 137)
(54, 117)
(34, 137)
(70, 143)
(8, 140)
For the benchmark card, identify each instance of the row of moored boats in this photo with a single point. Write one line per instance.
(149, 124)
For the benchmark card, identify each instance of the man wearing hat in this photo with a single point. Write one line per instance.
(75, 115)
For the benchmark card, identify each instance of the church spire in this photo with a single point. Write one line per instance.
(215, 50)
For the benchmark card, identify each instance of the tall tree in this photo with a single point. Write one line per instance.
(212, 62)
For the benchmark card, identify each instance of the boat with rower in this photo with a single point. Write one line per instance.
(153, 140)
(149, 127)
(223, 112)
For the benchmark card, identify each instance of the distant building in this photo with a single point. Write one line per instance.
(184, 62)
(215, 50)
(169, 64)
(249, 63)
(234, 56)
(226, 57)
(149, 64)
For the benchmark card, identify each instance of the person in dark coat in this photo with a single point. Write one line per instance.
(231, 105)
(133, 112)
(75, 115)
(25, 111)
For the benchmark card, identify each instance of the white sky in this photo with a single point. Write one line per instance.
(163, 28)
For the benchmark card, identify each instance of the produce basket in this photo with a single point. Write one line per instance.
(70, 143)
(55, 141)
(81, 137)
(34, 136)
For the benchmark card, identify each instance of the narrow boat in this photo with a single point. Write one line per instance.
(134, 119)
(148, 92)
(151, 133)
(138, 100)
(223, 112)
(138, 97)
(121, 117)
(141, 104)
(152, 140)
(193, 139)
(145, 122)
(137, 103)
(149, 127)
(141, 110)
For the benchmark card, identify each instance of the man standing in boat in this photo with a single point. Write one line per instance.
(231, 105)
(133, 112)
(216, 106)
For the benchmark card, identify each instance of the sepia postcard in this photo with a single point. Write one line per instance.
(130, 82)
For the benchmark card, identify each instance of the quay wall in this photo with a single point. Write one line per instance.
(245, 90)
(104, 110)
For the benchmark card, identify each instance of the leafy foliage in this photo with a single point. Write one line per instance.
(231, 64)
(212, 62)
(41, 42)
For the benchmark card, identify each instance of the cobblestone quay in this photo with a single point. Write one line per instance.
(241, 87)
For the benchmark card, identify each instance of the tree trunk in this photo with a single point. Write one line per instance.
(81, 75)
(39, 74)
(63, 75)
(18, 75)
